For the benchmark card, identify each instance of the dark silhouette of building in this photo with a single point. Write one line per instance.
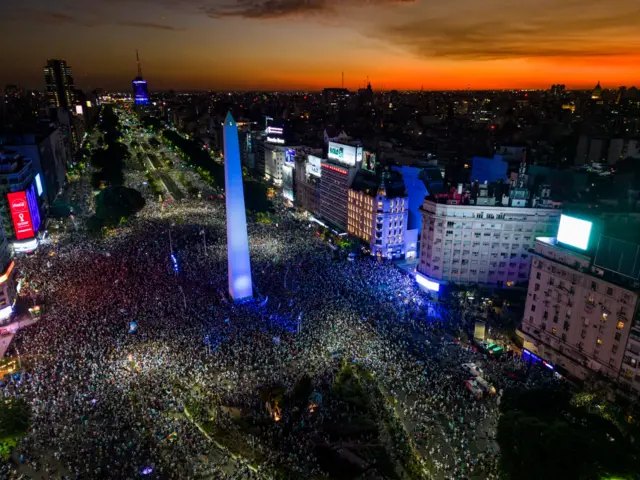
(59, 84)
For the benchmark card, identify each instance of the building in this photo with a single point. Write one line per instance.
(21, 201)
(378, 212)
(334, 189)
(335, 99)
(582, 310)
(59, 85)
(480, 237)
(140, 88)
(279, 161)
(49, 155)
(308, 175)
(338, 172)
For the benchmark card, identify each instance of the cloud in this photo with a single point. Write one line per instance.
(267, 9)
(157, 26)
(570, 30)
(60, 18)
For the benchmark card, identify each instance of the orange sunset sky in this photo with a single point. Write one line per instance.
(306, 44)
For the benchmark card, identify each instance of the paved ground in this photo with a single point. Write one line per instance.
(13, 327)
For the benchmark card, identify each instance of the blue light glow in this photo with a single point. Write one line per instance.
(175, 263)
(426, 283)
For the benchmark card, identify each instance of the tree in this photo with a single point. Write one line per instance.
(14, 417)
(541, 435)
(113, 203)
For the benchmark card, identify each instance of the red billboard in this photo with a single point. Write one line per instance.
(20, 215)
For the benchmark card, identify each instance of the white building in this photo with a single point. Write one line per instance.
(481, 244)
(581, 317)
(276, 158)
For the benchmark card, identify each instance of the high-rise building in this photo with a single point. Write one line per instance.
(140, 89)
(582, 310)
(59, 84)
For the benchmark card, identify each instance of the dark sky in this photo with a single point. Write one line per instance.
(306, 44)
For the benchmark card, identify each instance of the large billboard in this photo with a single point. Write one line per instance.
(20, 215)
(345, 154)
(289, 157)
(574, 232)
(313, 166)
(34, 211)
(369, 161)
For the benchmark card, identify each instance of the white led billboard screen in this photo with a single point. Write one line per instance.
(574, 232)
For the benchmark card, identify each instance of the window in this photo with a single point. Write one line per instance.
(536, 287)
(614, 349)
(618, 336)
(553, 330)
(620, 325)
(533, 308)
(545, 315)
(538, 275)
(599, 341)
(609, 291)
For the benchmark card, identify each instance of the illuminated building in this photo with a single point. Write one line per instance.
(581, 314)
(18, 177)
(470, 239)
(596, 93)
(239, 263)
(334, 188)
(140, 90)
(378, 212)
(59, 84)
(307, 185)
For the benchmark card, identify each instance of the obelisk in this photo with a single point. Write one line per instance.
(240, 283)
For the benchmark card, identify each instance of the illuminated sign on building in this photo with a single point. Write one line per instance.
(369, 161)
(39, 185)
(5, 276)
(79, 110)
(274, 130)
(335, 169)
(313, 166)
(32, 203)
(426, 283)
(574, 232)
(20, 215)
(345, 154)
(275, 140)
(289, 157)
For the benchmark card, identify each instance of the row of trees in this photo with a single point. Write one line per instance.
(255, 193)
(109, 159)
(115, 203)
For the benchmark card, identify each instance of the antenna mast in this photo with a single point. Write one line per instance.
(138, 62)
(342, 79)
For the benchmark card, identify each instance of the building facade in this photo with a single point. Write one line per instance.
(17, 176)
(59, 84)
(378, 213)
(582, 319)
(334, 192)
(481, 244)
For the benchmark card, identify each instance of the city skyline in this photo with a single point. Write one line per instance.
(307, 44)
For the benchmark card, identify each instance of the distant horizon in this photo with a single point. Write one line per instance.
(355, 90)
(307, 45)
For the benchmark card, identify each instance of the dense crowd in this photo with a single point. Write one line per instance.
(111, 402)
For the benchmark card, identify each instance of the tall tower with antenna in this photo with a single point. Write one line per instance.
(140, 89)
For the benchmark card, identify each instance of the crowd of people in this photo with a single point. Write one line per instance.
(138, 327)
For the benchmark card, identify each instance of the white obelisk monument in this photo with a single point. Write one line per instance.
(240, 283)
